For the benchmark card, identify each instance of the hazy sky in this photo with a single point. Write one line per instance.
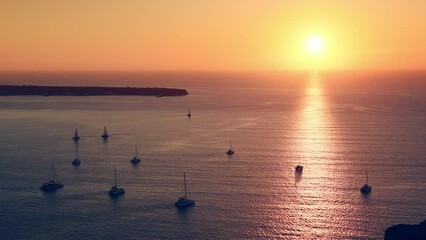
(211, 35)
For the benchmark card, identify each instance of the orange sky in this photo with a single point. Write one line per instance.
(210, 35)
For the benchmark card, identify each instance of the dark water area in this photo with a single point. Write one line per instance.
(336, 124)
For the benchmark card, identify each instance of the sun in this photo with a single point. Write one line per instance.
(315, 44)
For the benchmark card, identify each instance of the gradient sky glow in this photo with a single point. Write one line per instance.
(210, 35)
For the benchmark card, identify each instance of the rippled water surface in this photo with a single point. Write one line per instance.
(335, 125)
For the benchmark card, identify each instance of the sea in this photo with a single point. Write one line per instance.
(341, 126)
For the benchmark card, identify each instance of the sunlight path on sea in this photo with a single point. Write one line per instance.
(313, 206)
(312, 147)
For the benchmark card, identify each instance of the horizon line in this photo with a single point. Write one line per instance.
(217, 71)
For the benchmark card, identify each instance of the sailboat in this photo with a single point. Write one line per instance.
(77, 160)
(105, 135)
(189, 113)
(136, 159)
(184, 201)
(115, 191)
(51, 185)
(366, 189)
(76, 137)
(230, 151)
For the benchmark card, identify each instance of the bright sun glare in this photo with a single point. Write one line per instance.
(315, 44)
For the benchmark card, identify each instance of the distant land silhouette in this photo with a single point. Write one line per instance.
(14, 90)
(406, 231)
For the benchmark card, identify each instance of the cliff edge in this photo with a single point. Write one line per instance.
(406, 232)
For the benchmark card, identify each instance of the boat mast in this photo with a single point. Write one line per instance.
(184, 180)
(105, 131)
(230, 144)
(366, 176)
(53, 172)
(76, 149)
(136, 150)
(76, 133)
(115, 176)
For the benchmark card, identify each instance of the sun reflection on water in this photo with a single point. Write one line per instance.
(308, 206)
(315, 206)
(313, 141)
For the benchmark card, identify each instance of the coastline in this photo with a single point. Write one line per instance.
(20, 90)
(406, 231)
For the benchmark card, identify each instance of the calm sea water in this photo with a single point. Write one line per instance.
(335, 124)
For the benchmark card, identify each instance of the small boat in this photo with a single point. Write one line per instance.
(366, 189)
(76, 137)
(77, 160)
(115, 190)
(136, 159)
(51, 185)
(230, 151)
(184, 201)
(105, 135)
(189, 113)
(299, 168)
